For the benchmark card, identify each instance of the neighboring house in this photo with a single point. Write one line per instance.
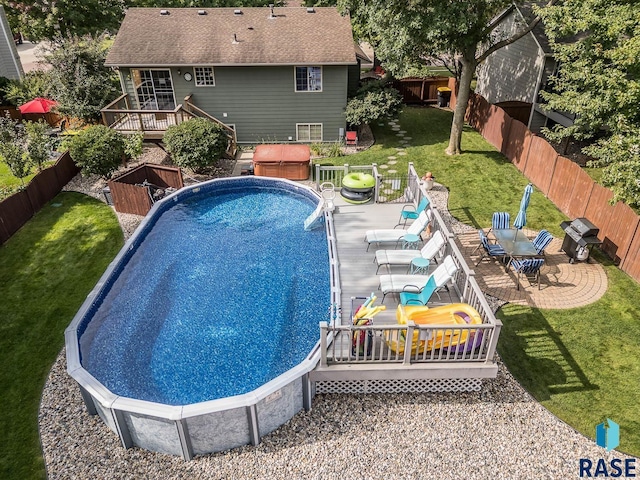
(514, 75)
(270, 74)
(10, 66)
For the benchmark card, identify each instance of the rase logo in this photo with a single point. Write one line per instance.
(608, 436)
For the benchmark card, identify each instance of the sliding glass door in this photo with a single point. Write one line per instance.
(154, 89)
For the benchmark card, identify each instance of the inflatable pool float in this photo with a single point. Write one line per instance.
(454, 314)
(357, 187)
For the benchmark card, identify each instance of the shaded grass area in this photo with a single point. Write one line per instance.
(46, 271)
(480, 181)
(582, 364)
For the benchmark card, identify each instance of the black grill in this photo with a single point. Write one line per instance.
(579, 236)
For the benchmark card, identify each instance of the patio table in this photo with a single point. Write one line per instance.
(515, 243)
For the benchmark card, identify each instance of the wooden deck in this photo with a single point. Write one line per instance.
(357, 267)
(382, 365)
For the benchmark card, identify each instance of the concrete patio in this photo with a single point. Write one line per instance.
(563, 285)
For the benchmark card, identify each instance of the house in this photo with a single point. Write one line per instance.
(513, 76)
(267, 74)
(10, 66)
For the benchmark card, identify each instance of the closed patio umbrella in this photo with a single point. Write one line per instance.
(521, 219)
(37, 105)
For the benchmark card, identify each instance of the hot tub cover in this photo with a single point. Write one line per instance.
(281, 153)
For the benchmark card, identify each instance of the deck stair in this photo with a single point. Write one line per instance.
(120, 116)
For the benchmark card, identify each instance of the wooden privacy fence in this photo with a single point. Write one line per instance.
(420, 90)
(17, 209)
(562, 181)
(133, 191)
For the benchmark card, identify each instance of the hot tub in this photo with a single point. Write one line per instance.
(282, 161)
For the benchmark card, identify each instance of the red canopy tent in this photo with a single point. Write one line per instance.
(38, 105)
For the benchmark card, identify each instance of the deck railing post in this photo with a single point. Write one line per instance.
(408, 342)
(495, 334)
(324, 330)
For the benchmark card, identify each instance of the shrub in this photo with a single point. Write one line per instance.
(317, 149)
(334, 150)
(97, 150)
(196, 144)
(133, 145)
(373, 102)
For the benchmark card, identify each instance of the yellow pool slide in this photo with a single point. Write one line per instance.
(453, 314)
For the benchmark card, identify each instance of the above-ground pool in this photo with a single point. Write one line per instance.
(199, 336)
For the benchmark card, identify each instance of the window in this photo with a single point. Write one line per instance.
(308, 79)
(309, 132)
(204, 77)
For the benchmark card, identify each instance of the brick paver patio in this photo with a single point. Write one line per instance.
(562, 284)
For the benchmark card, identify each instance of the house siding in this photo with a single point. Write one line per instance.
(261, 102)
(511, 73)
(10, 65)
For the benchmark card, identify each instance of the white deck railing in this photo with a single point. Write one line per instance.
(336, 341)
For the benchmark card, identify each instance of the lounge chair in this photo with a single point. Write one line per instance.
(489, 249)
(529, 267)
(409, 212)
(392, 235)
(422, 297)
(404, 257)
(542, 241)
(414, 283)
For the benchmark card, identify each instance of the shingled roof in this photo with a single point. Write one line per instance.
(221, 36)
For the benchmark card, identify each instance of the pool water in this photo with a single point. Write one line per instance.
(222, 295)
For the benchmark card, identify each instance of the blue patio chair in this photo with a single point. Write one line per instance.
(490, 250)
(409, 212)
(529, 267)
(423, 296)
(542, 241)
(500, 221)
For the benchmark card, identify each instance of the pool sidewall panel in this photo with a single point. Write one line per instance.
(153, 433)
(106, 416)
(218, 431)
(279, 407)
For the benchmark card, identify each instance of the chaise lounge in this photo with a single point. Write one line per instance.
(415, 283)
(392, 235)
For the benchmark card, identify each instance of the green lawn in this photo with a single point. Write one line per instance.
(582, 364)
(8, 180)
(46, 271)
(481, 181)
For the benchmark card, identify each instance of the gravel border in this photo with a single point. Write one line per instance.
(498, 432)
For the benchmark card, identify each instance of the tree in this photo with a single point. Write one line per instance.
(51, 20)
(197, 143)
(80, 82)
(15, 157)
(12, 149)
(38, 143)
(34, 84)
(596, 43)
(462, 34)
(98, 149)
